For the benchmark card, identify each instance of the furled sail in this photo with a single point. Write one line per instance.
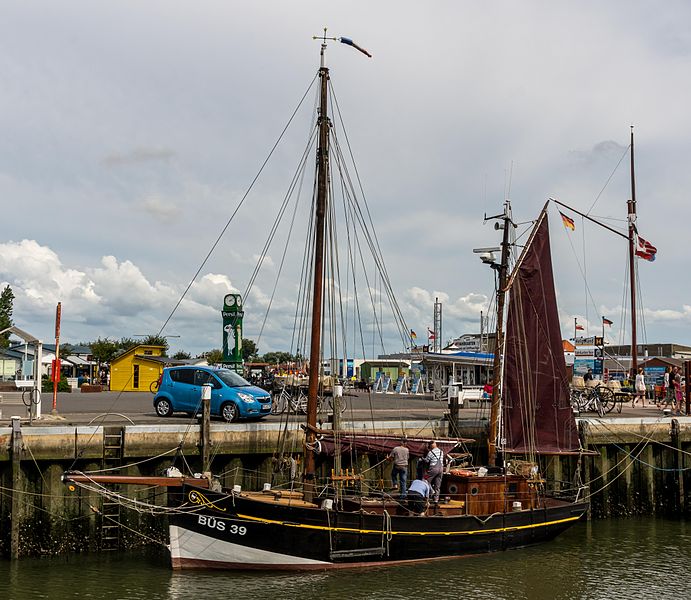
(537, 416)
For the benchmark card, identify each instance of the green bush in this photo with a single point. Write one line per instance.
(47, 385)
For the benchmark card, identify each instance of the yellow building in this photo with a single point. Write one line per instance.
(136, 369)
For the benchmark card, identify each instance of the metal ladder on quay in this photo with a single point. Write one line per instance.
(113, 445)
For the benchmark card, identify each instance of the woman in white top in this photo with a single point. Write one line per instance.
(640, 388)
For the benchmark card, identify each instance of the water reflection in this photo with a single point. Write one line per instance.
(637, 558)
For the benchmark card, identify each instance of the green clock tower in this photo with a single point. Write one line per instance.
(232, 314)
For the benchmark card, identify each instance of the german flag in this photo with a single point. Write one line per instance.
(568, 222)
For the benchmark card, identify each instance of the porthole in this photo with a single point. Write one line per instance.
(474, 490)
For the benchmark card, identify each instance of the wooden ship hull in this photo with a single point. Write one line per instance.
(277, 530)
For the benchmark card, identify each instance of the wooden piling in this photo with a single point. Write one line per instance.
(648, 478)
(677, 461)
(205, 429)
(16, 487)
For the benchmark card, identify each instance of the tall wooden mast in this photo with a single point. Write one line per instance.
(632, 262)
(317, 295)
(499, 338)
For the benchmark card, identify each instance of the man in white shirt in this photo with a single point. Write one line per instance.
(435, 470)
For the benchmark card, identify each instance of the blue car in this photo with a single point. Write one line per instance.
(232, 397)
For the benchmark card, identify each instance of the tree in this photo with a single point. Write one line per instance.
(249, 349)
(6, 299)
(213, 357)
(156, 340)
(279, 357)
(127, 343)
(182, 355)
(104, 350)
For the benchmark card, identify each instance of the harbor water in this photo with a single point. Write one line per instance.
(618, 558)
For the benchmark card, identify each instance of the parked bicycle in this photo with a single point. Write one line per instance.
(284, 399)
(295, 401)
(598, 399)
(153, 388)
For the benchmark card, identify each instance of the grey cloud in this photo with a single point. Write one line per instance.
(159, 208)
(607, 150)
(138, 156)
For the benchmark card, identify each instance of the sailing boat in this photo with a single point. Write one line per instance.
(338, 523)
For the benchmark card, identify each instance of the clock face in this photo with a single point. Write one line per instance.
(229, 300)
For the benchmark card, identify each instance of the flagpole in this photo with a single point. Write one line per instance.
(632, 263)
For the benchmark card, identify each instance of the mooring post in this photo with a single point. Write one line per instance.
(205, 429)
(454, 406)
(604, 481)
(586, 463)
(16, 481)
(631, 490)
(675, 434)
(648, 476)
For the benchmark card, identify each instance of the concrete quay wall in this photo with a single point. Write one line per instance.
(637, 466)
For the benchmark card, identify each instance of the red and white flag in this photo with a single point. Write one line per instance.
(645, 249)
(430, 334)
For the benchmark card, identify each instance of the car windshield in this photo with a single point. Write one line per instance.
(231, 378)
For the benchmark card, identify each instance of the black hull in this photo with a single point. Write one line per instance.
(242, 533)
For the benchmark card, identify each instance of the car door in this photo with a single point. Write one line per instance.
(182, 389)
(219, 393)
(203, 377)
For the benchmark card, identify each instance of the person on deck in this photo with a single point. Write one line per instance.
(435, 469)
(418, 496)
(667, 392)
(399, 472)
(640, 388)
(675, 381)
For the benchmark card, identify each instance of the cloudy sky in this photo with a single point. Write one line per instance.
(131, 130)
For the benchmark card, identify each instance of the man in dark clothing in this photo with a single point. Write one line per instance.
(418, 495)
(399, 473)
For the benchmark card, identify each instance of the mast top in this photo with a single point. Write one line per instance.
(344, 40)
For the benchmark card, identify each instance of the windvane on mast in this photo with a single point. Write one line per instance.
(343, 40)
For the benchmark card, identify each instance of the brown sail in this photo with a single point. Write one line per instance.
(537, 416)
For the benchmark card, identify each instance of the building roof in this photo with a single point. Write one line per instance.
(77, 361)
(172, 362)
(388, 362)
(27, 337)
(568, 346)
(133, 350)
(460, 358)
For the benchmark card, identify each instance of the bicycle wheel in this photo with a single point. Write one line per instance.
(607, 399)
(299, 404)
(583, 402)
(575, 399)
(342, 405)
(599, 407)
(278, 403)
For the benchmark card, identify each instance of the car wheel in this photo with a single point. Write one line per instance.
(163, 407)
(230, 412)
